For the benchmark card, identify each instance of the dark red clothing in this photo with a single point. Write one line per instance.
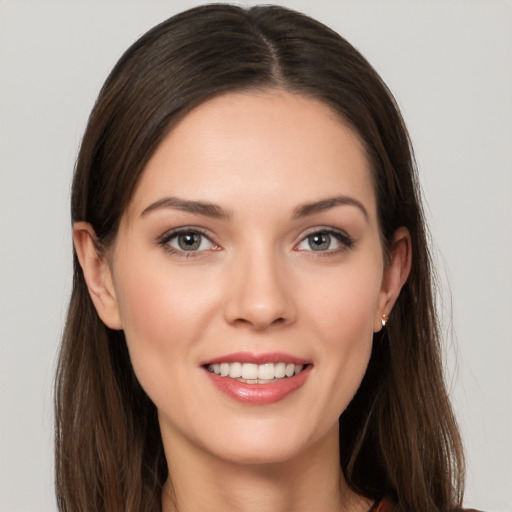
(383, 506)
(386, 506)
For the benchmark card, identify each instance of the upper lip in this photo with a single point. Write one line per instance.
(251, 357)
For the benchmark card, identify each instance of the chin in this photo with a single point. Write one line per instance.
(261, 455)
(263, 444)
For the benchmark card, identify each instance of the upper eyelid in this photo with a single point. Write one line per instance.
(171, 233)
(324, 229)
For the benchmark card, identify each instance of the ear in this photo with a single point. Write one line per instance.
(395, 275)
(97, 274)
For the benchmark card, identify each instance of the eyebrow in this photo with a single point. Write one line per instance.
(212, 210)
(199, 207)
(325, 204)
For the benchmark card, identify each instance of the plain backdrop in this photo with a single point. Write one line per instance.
(449, 64)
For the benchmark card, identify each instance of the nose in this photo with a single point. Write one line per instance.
(259, 292)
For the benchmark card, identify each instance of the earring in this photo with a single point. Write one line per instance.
(384, 319)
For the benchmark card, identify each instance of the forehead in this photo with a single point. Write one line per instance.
(253, 148)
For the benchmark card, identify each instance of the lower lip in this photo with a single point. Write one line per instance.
(259, 394)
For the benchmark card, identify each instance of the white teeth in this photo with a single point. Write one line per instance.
(266, 371)
(249, 371)
(279, 370)
(224, 369)
(256, 373)
(235, 370)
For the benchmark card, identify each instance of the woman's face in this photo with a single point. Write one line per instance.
(250, 251)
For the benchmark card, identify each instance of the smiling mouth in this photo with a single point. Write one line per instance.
(251, 373)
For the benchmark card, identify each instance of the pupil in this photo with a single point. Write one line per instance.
(319, 241)
(189, 241)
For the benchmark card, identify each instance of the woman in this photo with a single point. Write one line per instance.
(252, 324)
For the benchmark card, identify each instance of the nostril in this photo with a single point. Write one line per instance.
(260, 323)
(258, 301)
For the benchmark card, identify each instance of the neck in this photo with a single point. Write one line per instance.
(311, 481)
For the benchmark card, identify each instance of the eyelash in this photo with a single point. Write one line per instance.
(340, 236)
(167, 237)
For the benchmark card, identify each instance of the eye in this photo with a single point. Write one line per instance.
(187, 241)
(325, 241)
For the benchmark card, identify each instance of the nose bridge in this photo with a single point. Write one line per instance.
(259, 293)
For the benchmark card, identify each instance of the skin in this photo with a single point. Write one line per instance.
(256, 285)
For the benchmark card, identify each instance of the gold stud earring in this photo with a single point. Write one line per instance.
(384, 319)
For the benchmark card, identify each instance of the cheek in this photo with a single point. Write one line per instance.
(162, 313)
(349, 335)
(343, 318)
(344, 303)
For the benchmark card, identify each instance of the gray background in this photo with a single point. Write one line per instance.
(448, 62)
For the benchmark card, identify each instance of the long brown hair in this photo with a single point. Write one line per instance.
(398, 436)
